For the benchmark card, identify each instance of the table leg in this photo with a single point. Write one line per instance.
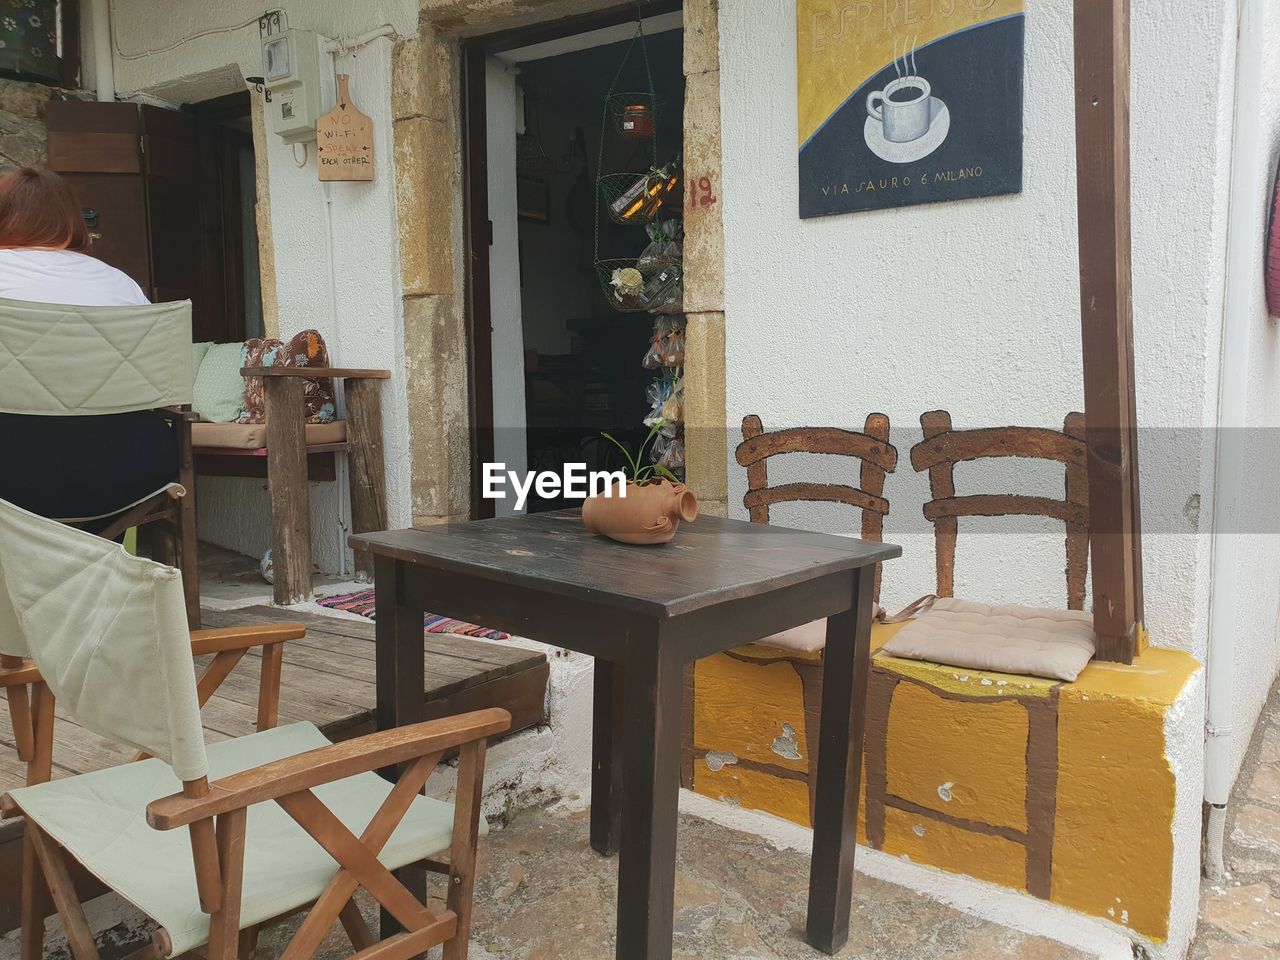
(606, 758)
(399, 682)
(846, 665)
(650, 805)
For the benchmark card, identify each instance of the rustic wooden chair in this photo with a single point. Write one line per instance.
(802, 647)
(942, 448)
(872, 447)
(938, 453)
(31, 712)
(63, 361)
(290, 820)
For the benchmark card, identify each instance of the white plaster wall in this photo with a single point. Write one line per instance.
(1257, 640)
(974, 306)
(186, 50)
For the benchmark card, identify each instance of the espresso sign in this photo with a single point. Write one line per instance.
(908, 101)
(344, 140)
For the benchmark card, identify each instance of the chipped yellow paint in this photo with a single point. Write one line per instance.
(1115, 798)
(756, 790)
(1113, 843)
(741, 709)
(969, 683)
(964, 759)
(1153, 682)
(942, 845)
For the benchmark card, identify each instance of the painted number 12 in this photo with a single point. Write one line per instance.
(701, 193)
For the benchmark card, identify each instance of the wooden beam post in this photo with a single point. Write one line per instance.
(289, 489)
(367, 471)
(1102, 188)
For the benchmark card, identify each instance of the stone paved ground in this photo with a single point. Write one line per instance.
(544, 895)
(1240, 916)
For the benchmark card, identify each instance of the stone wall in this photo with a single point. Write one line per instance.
(22, 134)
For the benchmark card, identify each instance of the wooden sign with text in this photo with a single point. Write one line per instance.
(344, 140)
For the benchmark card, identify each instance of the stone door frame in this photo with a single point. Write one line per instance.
(427, 86)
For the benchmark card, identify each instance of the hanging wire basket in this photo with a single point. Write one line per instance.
(632, 286)
(634, 115)
(630, 198)
(636, 199)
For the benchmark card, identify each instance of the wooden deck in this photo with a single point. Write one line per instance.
(328, 679)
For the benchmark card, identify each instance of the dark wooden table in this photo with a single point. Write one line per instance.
(643, 613)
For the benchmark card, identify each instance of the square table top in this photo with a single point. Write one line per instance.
(712, 560)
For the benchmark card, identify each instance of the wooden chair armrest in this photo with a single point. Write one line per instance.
(178, 415)
(244, 638)
(18, 674)
(326, 765)
(313, 373)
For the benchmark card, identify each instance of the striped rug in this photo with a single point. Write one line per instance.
(362, 603)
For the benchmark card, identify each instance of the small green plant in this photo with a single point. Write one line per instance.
(649, 472)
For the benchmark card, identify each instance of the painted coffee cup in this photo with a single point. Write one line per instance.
(903, 108)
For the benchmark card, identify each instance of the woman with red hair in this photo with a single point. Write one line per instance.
(71, 466)
(44, 244)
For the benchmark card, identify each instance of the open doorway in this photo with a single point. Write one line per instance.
(565, 358)
(229, 224)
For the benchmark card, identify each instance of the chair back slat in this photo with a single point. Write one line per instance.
(59, 361)
(877, 458)
(108, 633)
(828, 440)
(816, 493)
(942, 448)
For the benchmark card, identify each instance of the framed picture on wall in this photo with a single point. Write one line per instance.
(898, 109)
(533, 199)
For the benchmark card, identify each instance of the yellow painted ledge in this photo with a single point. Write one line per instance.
(1113, 788)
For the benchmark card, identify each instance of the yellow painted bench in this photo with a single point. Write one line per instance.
(1061, 790)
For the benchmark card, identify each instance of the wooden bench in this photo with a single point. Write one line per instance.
(289, 462)
(327, 679)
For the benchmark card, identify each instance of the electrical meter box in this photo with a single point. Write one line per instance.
(291, 71)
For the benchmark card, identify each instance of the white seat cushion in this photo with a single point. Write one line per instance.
(1025, 641)
(100, 818)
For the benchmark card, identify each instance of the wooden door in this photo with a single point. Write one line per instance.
(97, 147)
(163, 207)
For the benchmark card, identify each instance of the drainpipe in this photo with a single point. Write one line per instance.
(104, 73)
(1242, 277)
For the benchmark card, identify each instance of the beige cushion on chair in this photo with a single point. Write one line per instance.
(1026, 641)
(100, 818)
(253, 436)
(809, 638)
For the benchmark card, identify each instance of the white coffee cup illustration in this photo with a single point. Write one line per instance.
(902, 107)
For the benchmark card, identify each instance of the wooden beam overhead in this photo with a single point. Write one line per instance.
(1106, 300)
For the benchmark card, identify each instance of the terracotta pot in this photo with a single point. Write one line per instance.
(649, 513)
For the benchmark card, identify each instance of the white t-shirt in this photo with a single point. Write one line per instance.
(63, 276)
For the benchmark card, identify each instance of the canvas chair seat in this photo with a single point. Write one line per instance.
(174, 490)
(100, 818)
